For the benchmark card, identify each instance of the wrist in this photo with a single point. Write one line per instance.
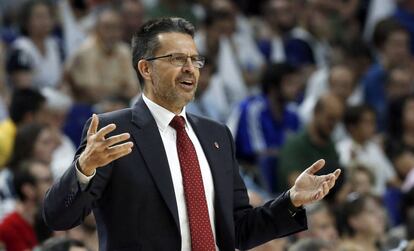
(83, 168)
(292, 196)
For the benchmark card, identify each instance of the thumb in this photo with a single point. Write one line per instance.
(315, 167)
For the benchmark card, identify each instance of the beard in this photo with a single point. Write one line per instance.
(170, 94)
(323, 134)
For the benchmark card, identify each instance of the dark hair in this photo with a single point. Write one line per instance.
(353, 114)
(26, 13)
(60, 244)
(22, 176)
(25, 101)
(274, 75)
(24, 143)
(145, 40)
(384, 29)
(354, 205)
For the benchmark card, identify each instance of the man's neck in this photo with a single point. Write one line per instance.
(315, 137)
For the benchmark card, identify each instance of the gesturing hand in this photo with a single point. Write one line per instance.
(100, 151)
(310, 187)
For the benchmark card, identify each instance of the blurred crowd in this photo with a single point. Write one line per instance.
(294, 80)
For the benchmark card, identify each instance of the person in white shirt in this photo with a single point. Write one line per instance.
(360, 149)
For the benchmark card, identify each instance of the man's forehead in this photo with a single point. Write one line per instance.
(175, 40)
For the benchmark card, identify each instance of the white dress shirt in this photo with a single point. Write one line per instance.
(163, 118)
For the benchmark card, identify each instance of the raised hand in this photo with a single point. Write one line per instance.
(100, 151)
(310, 187)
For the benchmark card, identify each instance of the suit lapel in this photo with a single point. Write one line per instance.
(149, 143)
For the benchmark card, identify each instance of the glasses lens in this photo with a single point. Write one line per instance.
(197, 61)
(178, 59)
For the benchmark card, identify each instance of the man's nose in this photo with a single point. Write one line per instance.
(188, 66)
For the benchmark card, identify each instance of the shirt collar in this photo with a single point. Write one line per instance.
(161, 115)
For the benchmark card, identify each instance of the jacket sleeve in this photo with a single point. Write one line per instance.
(255, 226)
(66, 204)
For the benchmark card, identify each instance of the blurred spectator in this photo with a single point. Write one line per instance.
(263, 122)
(280, 17)
(132, 12)
(19, 70)
(401, 134)
(321, 224)
(392, 44)
(77, 20)
(404, 14)
(26, 107)
(356, 57)
(172, 8)
(310, 245)
(202, 104)
(62, 244)
(400, 84)
(31, 182)
(86, 233)
(364, 221)
(361, 180)
(43, 50)
(232, 47)
(377, 11)
(312, 143)
(310, 42)
(101, 67)
(341, 82)
(57, 107)
(361, 149)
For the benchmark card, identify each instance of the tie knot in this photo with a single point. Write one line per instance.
(178, 123)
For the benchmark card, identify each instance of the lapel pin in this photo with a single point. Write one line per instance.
(216, 145)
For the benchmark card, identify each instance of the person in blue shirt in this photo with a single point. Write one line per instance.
(264, 121)
(392, 43)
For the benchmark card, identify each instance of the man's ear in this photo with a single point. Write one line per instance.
(145, 69)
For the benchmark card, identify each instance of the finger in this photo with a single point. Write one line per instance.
(105, 130)
(325, 186)
(318, 195)
(116, 139)
(120, 154)
(337, 173)
(315, 167)
(114, 150)
(93, 127)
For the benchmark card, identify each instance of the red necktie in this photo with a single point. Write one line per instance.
(202, 238)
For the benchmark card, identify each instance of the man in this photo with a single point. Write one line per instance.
(264, 121)
(312, 143)
(176, 184)
(102, 63)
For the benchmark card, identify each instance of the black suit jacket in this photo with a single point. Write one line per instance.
(133, 197)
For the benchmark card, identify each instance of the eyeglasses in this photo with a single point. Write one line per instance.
(180, 59)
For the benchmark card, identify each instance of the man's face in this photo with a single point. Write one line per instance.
(322, 226)
(342, 82)
(169, 85)
(109, 29)
(40, 21)
(281, 15)
(44, 179)
(397, 48)
(327, 118)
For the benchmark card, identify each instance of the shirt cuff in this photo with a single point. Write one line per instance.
(82, 178)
